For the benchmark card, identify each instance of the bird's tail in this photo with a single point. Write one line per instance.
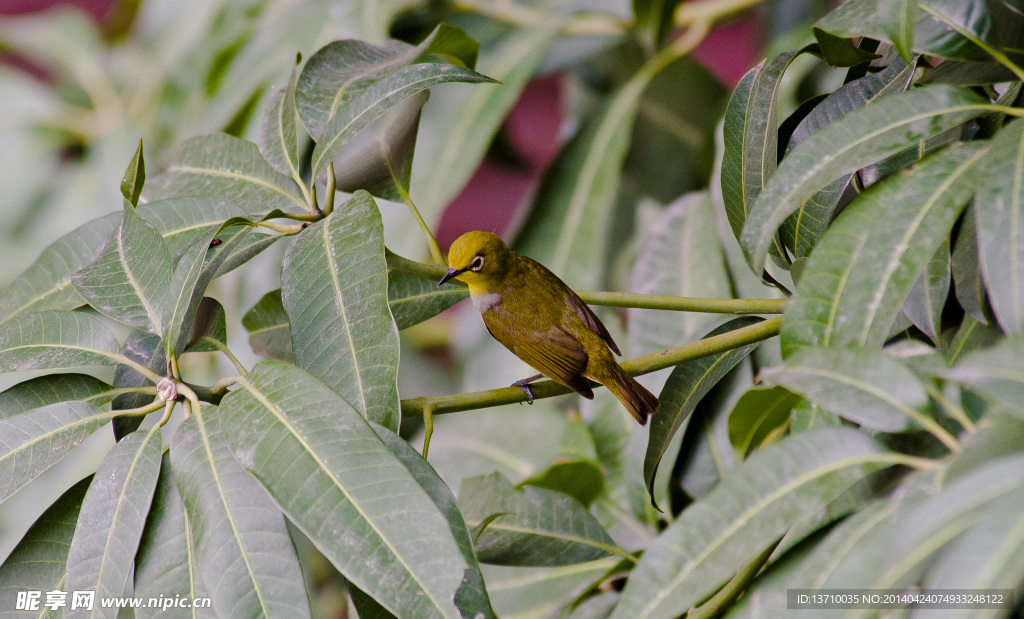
(638, 401)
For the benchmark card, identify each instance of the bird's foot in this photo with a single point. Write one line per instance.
(526, 389)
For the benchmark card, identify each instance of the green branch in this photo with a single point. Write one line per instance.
(622, 299)
(636, 367)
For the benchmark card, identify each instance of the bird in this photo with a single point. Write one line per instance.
(534, 314)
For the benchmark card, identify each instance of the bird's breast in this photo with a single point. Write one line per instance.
(485, 301)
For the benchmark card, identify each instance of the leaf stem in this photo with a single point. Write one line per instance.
(435, 251)
(522, 14)
(141, 411)
(641, 365)
(956, 412)
(189, 394)
(296, 216)
(286, 230)
(227, 353)
(711, 10)
(732, 589)
(684, 304)
(314, 204)
(332, 188)
(168, 409)
(428, 428)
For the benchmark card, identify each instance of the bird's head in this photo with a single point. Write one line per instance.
(480, 259)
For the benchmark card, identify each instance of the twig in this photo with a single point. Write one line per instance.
(641, 365)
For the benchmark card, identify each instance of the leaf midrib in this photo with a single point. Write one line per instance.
(267, 404)
(752, 511)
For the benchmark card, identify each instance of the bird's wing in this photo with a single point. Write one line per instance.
(554, 352)
(590, 319)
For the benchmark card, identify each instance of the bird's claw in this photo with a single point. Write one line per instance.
(526, 389)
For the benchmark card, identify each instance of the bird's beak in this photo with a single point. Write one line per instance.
(452, 272)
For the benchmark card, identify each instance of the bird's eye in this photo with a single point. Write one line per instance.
(478, 263)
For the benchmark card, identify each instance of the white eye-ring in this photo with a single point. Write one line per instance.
(478, 263)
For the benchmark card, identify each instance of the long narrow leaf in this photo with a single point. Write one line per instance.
(334, 287)
(239, 540)
(852, 288)
(344, 488)
(112, 518)
(748, 511)
(34, 441)
(864, 136)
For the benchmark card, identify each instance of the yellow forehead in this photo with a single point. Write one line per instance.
(473, 244)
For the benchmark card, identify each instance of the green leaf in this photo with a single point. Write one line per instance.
(913, 539)
(53, 340)
(221, 166)
(801, 230)
(38, 561)
(184, 222)
(807, 416)
(808, 566)
(533, 526)
(759, 413)
(51, 389)
(988, 555)
(966, 270)
(748, 512)
(971, 336)
(569, 221)
(33, 441)
(471, 598)
(239, 540)
(751, 137)
(210, 329)
(852, 287)
(684, 389)
(185, 293)
(460, 125)
(47, 283)
(147, 350)
(164, 564)
(270, 333)
(931, 35)
(997, 373)
(279, 132)
(340, 72)
(334, 286)
(999, 207)
(130, 277)
(344, 489)
(927, 297)
(542, 591)
(379, 159)
(380, 96)
(112, 518)
(681, 256)
(863, 136)
(863, 385)
(899, 18)
(134, 177)
(839, 51)
(413, 299)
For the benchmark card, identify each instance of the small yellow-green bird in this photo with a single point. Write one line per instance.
(534, 314)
